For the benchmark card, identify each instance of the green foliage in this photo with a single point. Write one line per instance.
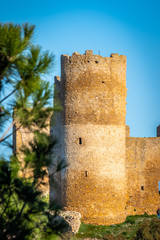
(125, 230)
(23, 67)
(21, 205)
(130, 219)
(149, 230)
(14, 40)
(37, 155)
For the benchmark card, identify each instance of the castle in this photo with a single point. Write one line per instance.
(109, 174)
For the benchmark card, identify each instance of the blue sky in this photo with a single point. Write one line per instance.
(126, 27)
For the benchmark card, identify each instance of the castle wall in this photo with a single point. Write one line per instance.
(93, 132)
(109, 174)
(22, 136)
(143, 175)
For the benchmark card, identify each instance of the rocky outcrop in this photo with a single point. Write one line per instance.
(67, 221)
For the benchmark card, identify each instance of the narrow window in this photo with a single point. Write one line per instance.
(86, 173)
(96, 61)
(103, 82)
(80, 140)
(142, 188)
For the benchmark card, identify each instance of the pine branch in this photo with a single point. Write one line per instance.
(6, 207)
(6, 131)
(3, 139)
(8, 95)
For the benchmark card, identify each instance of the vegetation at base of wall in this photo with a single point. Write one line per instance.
(149, 230)
(126, 230)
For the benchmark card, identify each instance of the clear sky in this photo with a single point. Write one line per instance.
(128, 27)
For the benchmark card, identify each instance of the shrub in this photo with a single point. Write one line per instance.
(130, 219)
(149, 230)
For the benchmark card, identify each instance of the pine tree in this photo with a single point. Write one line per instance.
(23, 68)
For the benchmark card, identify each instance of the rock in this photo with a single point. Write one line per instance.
(67, 221)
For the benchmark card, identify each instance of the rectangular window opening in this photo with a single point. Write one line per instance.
(80, 140)
(86, 173)
(142, 188)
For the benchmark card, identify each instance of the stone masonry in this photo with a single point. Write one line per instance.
(109, 174)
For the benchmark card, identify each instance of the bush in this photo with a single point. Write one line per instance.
(130, 219)
(149, 230)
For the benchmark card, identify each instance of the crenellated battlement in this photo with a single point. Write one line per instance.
(97, 87)
(89, 58)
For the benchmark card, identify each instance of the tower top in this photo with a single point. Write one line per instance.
(90, 53)
(89, 59)
(94, 88)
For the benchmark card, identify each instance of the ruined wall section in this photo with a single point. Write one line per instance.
(93, 129)
(22, 136)
(143, 174)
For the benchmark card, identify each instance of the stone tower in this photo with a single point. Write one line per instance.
(91, 136)
(109, 175)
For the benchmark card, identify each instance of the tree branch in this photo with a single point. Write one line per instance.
(7, 203)
(8, 95)
(6, 131)
(3, 139)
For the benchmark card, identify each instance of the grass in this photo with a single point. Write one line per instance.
(127, 229)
